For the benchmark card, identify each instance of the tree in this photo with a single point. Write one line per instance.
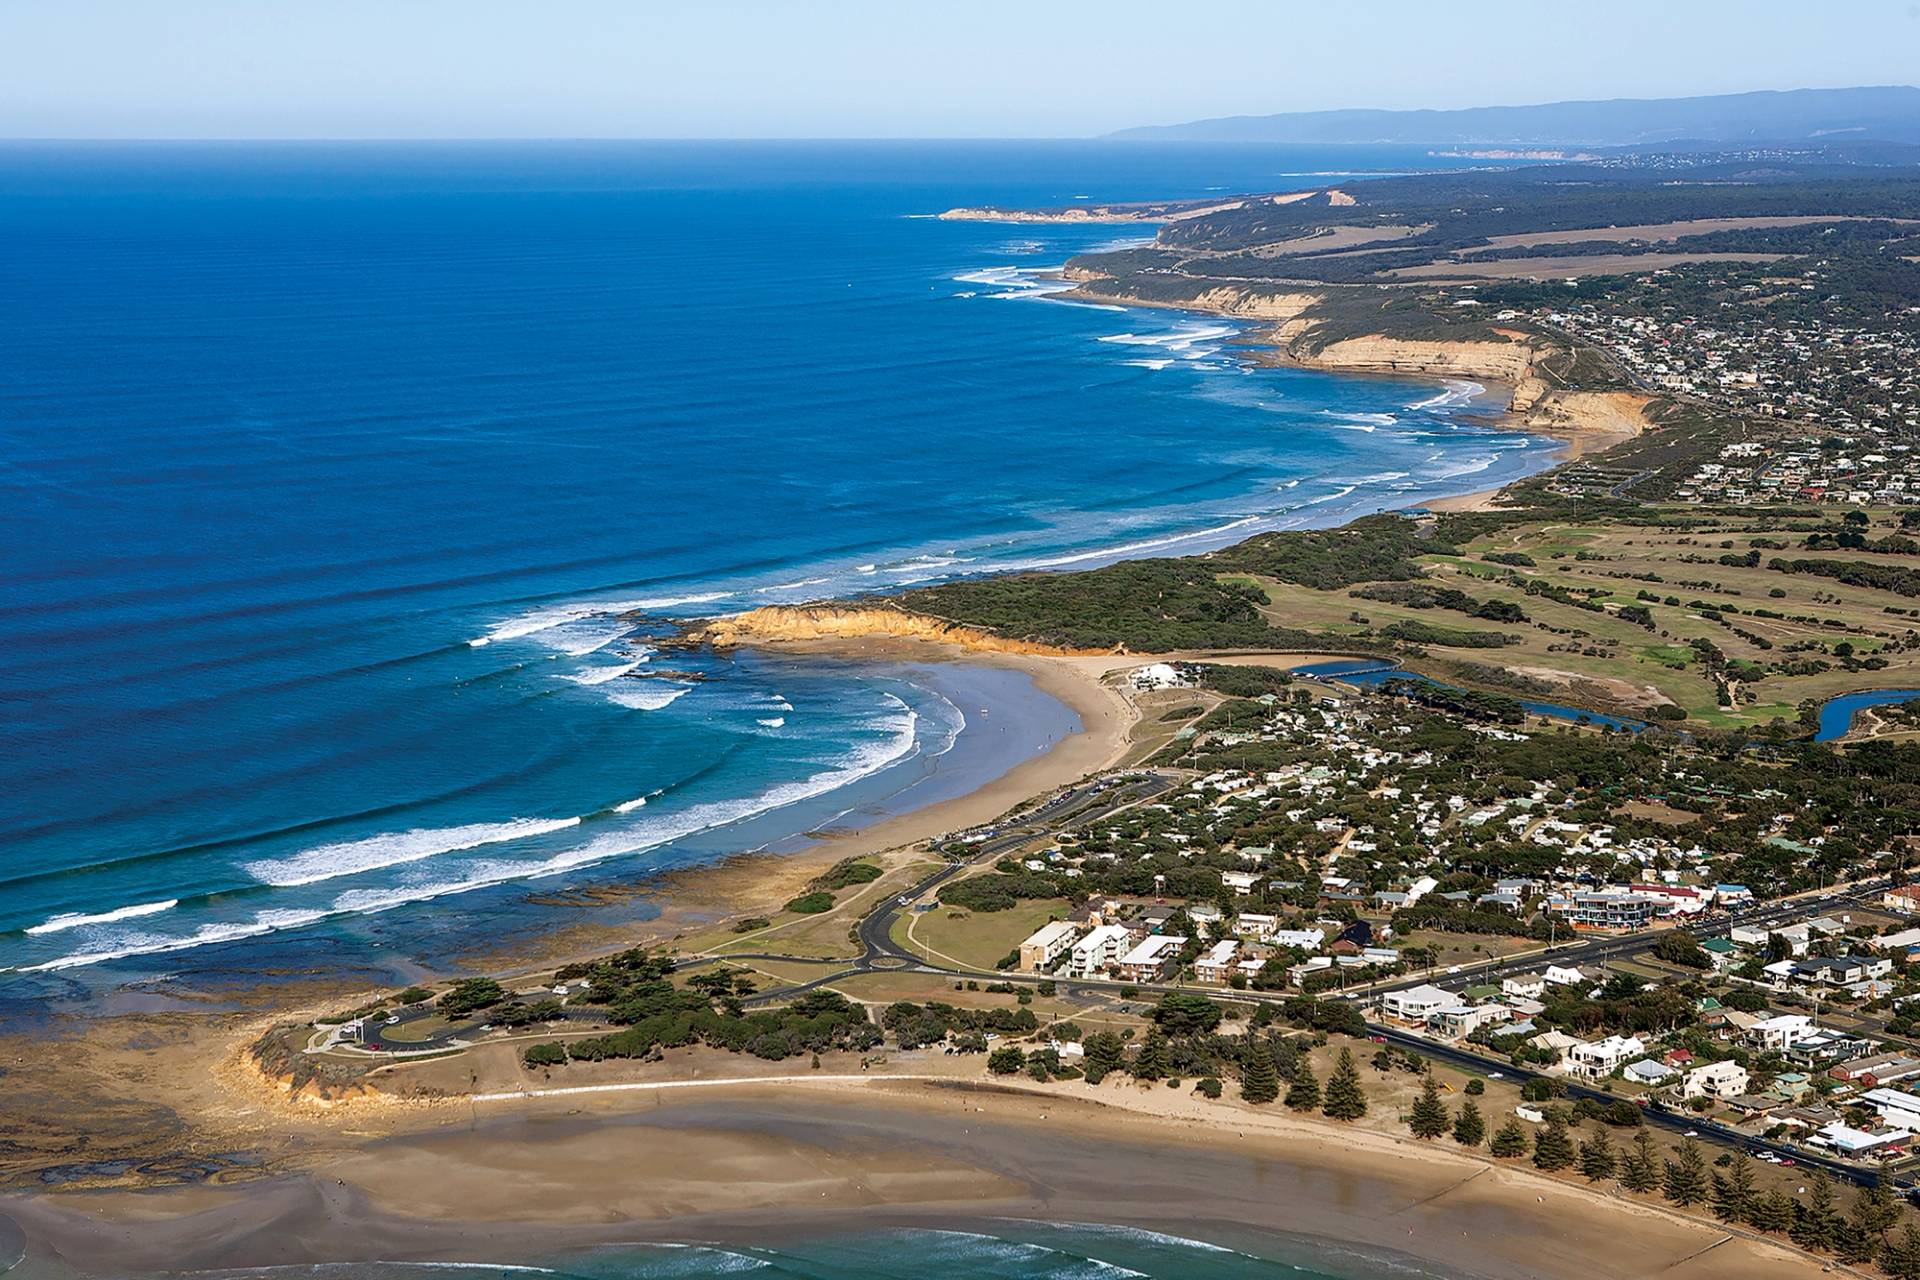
(1901, 1258)
(1685, 1178)
(1876, 1212)
(1304, 1093)
(1681, 948)
(1640, 1168)
(1005, 1061)
(1817, 1223)
(1733, 1193)
(1259, 1082)
(1429, 1119)
(1510, 1143)
(1469, 1128)
(1104, 1052)
(1344, 1099)
(1772, 1212)
(1553, 1147)
(1184, 1014)
(1597, 1158)
(1153, 1061)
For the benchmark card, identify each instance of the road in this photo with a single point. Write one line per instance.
(1100, 798)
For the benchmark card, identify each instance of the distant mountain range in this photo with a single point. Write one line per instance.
(1887, 113)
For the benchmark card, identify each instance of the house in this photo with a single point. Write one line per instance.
(1218, 962)
(1649, 1072)
(1252, 924)
(1148, 961)
(1098, 950)
(1602, 1058)
(1877, 1069)
(1782, 1032)
(1732, 895)
(1905, 897)
(1417, 1004)
(1458, 1021)
(1721, 953)
(1308, 940)
(1840, 971)
(1563, 976)
(1715, 1080)
(1529, 986)
(1047, 944)
(1240, 882)
(1904, 943)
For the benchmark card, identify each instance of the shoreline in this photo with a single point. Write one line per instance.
(764, 1162)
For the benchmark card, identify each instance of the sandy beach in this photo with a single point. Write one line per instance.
(761, 1162)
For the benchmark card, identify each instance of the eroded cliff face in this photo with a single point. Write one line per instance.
(1503, 361)
(1250, 303)
(788, 623)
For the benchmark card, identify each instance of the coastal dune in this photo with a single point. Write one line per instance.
(807, 623)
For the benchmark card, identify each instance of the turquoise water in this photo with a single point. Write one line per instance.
(347, 494)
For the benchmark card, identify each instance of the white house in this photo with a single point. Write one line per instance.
(1417, 1004)
(1307, 940)
(1526, 986)
(1252, 924)
(1781, 1032)
(1901, 1110)
(1603, 1057)
(1239, 881)
(1563, 976)
(1715, 1080)
(1458, 1021)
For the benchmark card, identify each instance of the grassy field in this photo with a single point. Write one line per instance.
(823, 935)
(1609, 662)
(978, 939)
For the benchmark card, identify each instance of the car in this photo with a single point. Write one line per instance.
(1693, 1133)
(392, 1018)
(1495, 1075)
(1786, 1161)
(906, 899)
(1378, 1039)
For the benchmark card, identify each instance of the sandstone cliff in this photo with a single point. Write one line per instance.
(1504, 361)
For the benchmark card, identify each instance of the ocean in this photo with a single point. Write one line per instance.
(347, 491)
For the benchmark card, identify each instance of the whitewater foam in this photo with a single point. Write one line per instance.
(80, 920)
(647, 695)
(600, 675)
(352, 857)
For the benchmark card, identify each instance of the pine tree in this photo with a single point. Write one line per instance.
(1685, 1179)
(1510, 1142)
(1876, 1211)
(1597, 1158)
(1345, 1100)
(1553, 1148)
(1901, 1258)
(1429, 1119)
(1470, 1129)
(1772, 1212)
(1259, 1082)
(1304, 1093)
(1816, 1225)
(1640, 1169)
(1153, 1062)
(1733, 1193)
(1854, 1244)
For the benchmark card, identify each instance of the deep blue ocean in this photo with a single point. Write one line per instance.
(345, 489)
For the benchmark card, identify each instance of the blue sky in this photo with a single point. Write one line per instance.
(863, 68)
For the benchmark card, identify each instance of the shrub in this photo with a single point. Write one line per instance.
(812, 904)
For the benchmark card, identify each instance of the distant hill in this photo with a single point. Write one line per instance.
(1889, 113)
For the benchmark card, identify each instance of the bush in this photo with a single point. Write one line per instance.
(1006, 1061)
(470, 994)
(846, 874)
(1476, 1087)
(812, 904)
(550, 1054)
(413, 995)
(1208, 1088)
(750, 923)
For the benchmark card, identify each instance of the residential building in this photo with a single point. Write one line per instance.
(1148, 961)
(1603, 1057)
(1782, 1032)
(1047, 944)
(1218, 962)
(1715, 1080)
(1458, 1021)
(1417, 1004)
(1098, 950)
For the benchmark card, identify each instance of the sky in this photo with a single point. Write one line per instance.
(880, 68)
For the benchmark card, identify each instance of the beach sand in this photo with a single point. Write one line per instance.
(746, 1162)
